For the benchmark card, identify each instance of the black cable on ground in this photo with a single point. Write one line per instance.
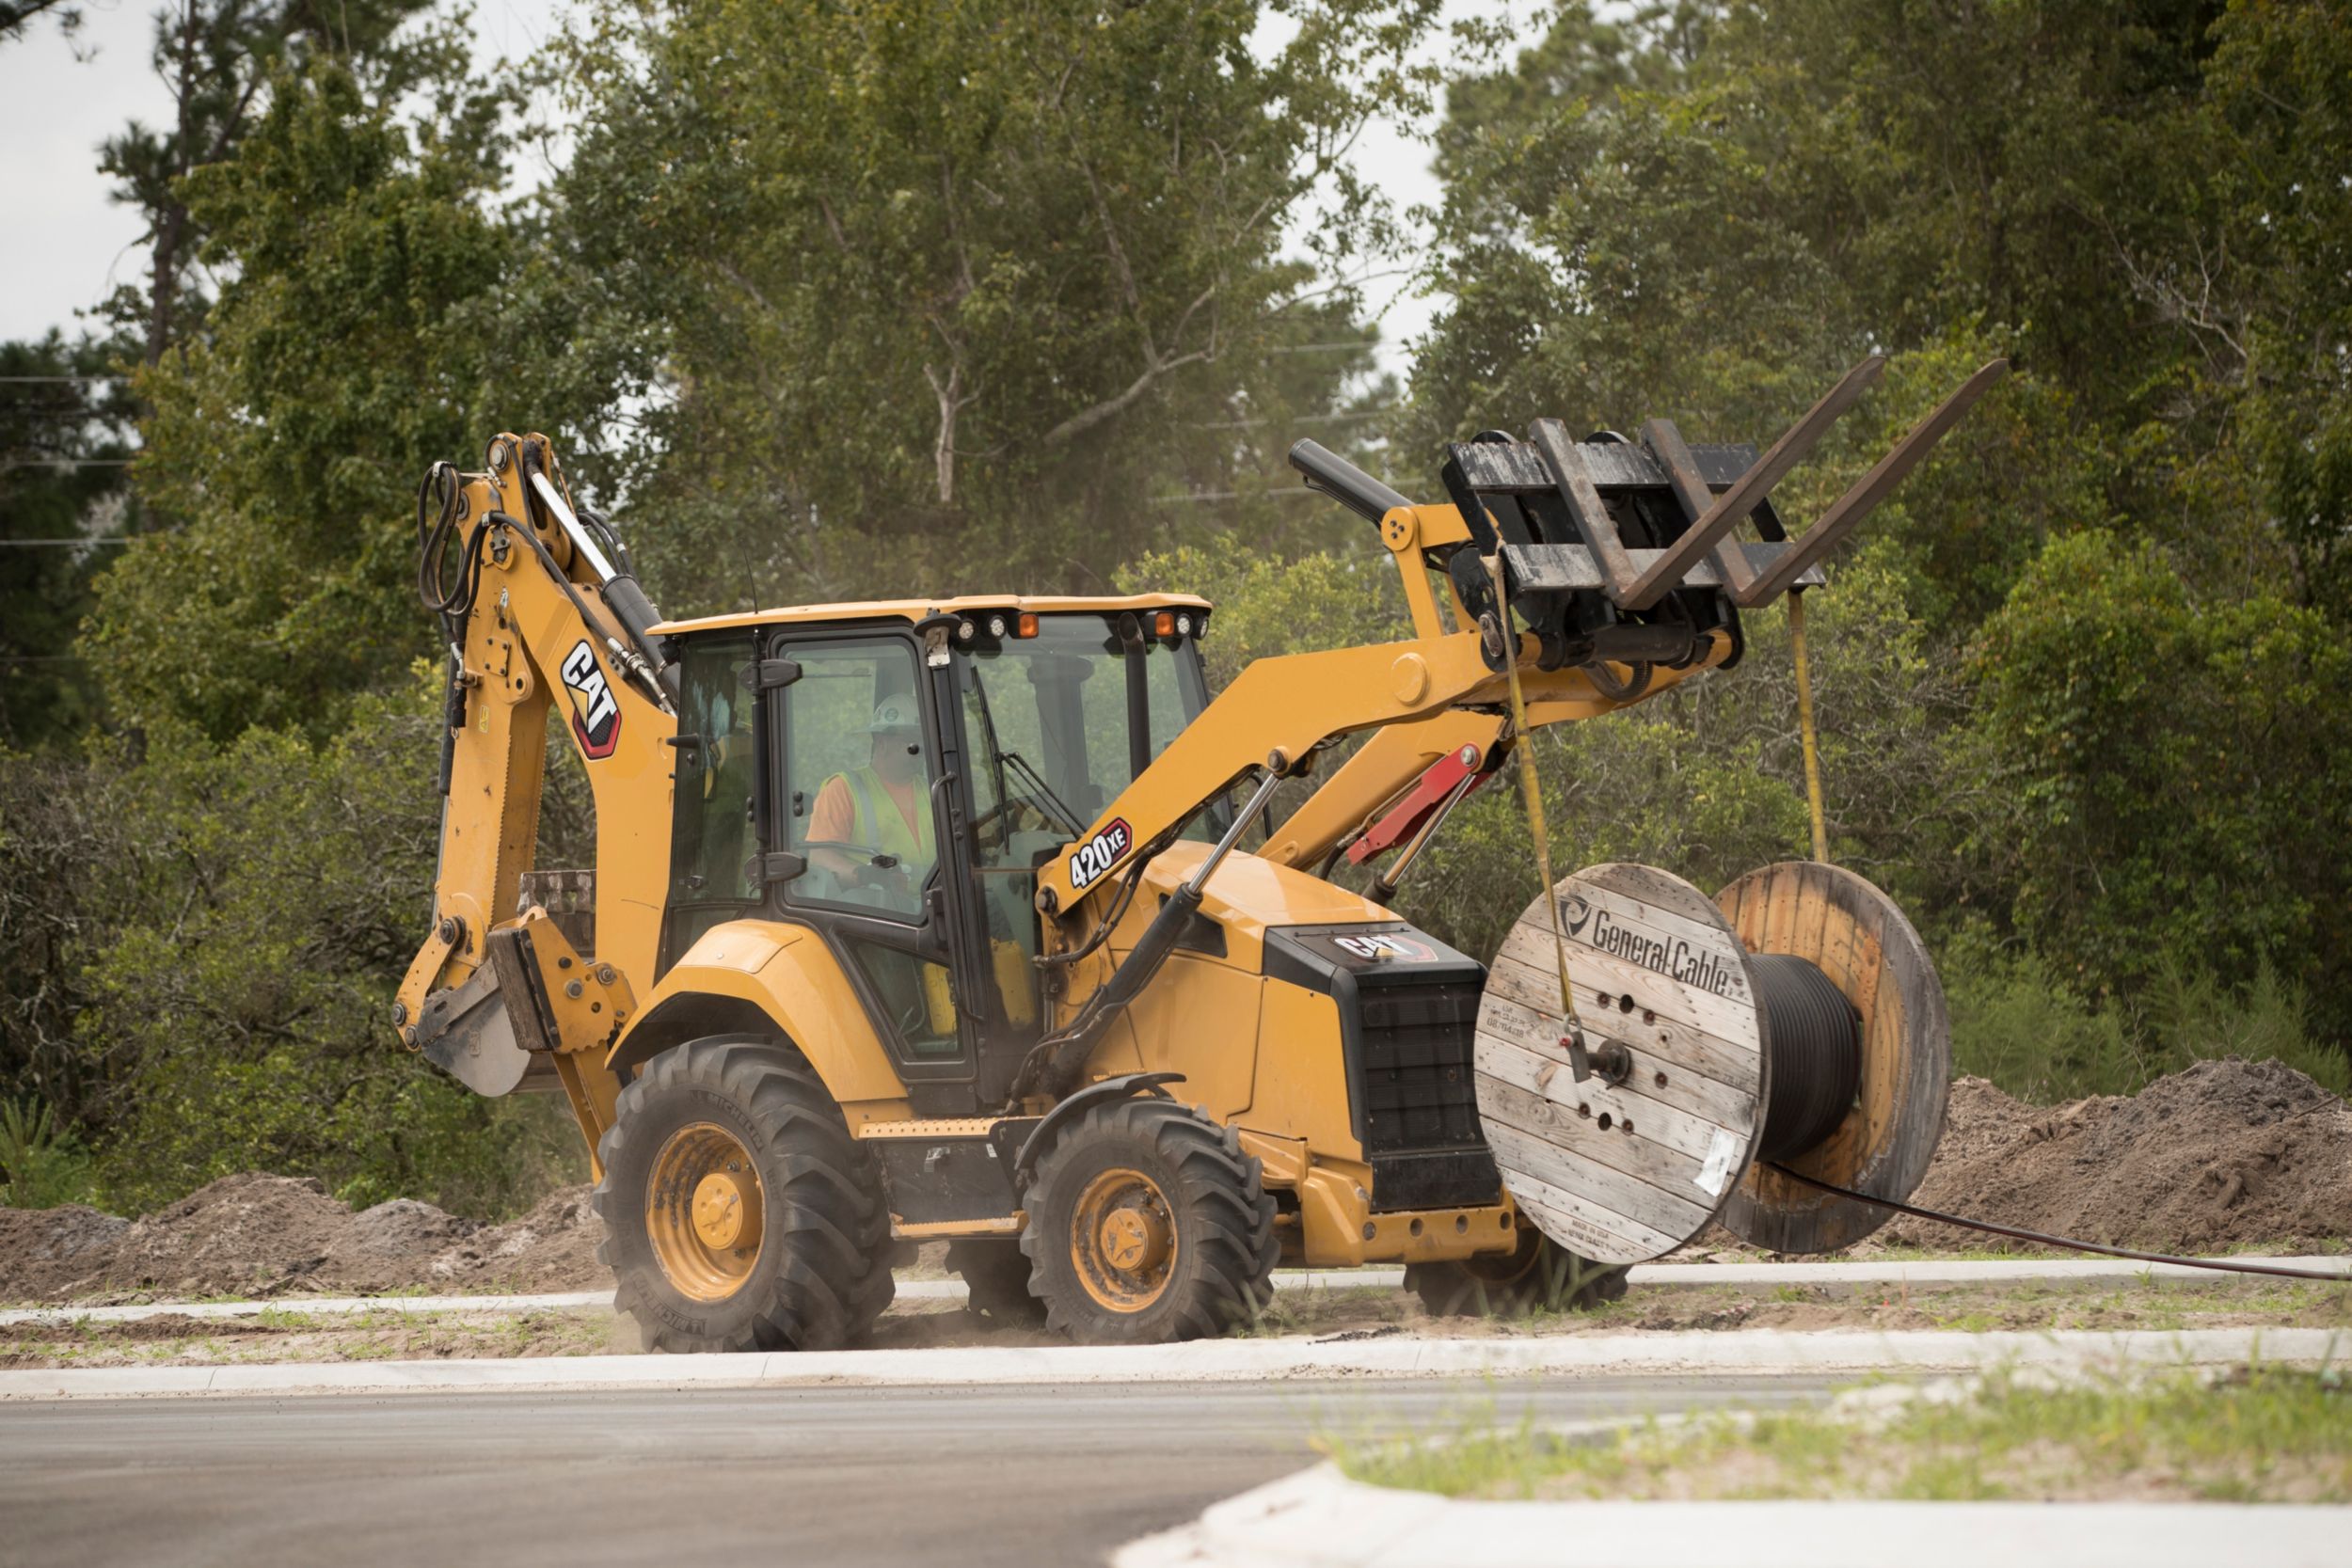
(2015, 1233)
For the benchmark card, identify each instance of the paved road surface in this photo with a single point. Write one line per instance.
(804, 1477)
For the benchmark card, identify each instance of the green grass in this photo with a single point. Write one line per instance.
(2260, 1434)
(2016, 1021)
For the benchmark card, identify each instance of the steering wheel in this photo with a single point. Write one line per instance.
(874, 859)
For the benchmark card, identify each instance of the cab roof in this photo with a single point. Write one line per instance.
(911, 611)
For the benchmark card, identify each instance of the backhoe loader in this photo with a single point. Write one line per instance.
(967, 919)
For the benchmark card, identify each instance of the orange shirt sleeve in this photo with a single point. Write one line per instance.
(834, 818)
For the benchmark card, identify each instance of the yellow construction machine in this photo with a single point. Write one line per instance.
(966, 919)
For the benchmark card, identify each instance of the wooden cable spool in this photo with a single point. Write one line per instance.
(1676, 1021)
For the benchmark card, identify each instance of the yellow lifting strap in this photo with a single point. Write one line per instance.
(1804, 724)
(1532, 791)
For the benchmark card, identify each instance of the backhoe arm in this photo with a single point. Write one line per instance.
(535, 612)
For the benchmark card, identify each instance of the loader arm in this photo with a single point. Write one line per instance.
(537, 616)
(1290, 706)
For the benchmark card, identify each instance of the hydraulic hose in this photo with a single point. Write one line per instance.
(1053, 1062)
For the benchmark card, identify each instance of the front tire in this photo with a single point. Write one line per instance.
(1149, 1224)
(739, 1212)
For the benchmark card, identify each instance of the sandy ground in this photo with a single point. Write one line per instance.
(289, 1334)
(2226, 1156)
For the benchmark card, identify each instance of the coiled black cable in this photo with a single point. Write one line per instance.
(1816, 1041)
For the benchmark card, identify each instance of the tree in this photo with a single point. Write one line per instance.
(938, 285)
(18, 16)
(376, 318)
(216, 59)
(2177, 760)
(65, 428)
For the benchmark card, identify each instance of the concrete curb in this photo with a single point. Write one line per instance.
(1756, 1353)
(1320, 1519)
(1833, 1278)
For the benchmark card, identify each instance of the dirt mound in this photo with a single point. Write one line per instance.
(253, 1235)
(403, 1228)
(552, 1248)
(242, 1234)
(44, 1250)
(2225, 1154)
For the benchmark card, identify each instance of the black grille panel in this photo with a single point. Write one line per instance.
(1408, 1012)
(1418, 1088)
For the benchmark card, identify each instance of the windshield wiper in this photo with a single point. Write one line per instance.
(1045, 796)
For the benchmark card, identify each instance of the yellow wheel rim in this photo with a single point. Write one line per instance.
(1123, 1240)
(704, 1212)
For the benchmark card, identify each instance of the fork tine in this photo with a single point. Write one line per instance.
(1873, 487)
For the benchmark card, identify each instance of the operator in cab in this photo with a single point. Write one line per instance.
(883, 810)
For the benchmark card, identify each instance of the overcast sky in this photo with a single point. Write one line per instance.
(64, 247)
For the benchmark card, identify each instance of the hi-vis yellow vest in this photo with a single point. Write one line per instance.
(882, 826)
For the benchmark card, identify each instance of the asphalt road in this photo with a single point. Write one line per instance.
(800, 1476)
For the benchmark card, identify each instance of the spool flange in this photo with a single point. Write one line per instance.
(1853, 933)
(1632, 1161)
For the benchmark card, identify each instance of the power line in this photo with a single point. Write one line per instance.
(1304, 419)
(1228, 494)
(56, 380)
(66, 463)
(56, 544)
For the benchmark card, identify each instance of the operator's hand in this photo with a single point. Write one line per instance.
(890, 880)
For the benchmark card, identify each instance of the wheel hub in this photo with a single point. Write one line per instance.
(704, 1205)
(1123, 1240)
(719, 1215)
(1134, 1239)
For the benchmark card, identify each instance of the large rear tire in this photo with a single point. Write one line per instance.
(739, 1212)
(1148, 1223)
(1538, 1275)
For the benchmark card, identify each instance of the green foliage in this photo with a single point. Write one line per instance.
(215, 60)
(982, 285)
(63, 445)
(234, 1014)
(2017, 1023)
(2261, 1434)
(44, 1165)
(285, 585)
(2176, 766)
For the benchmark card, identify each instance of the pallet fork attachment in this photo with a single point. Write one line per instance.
(1616, 551)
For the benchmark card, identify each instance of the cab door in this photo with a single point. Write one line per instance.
(866, 824)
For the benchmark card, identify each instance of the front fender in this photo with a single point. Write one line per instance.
(788, 974)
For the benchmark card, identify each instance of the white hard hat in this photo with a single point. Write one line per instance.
(894, 713)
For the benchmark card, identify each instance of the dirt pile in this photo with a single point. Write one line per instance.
(44, 1250)
(552, 1248)
(2225, 1154)
(254, 1235)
